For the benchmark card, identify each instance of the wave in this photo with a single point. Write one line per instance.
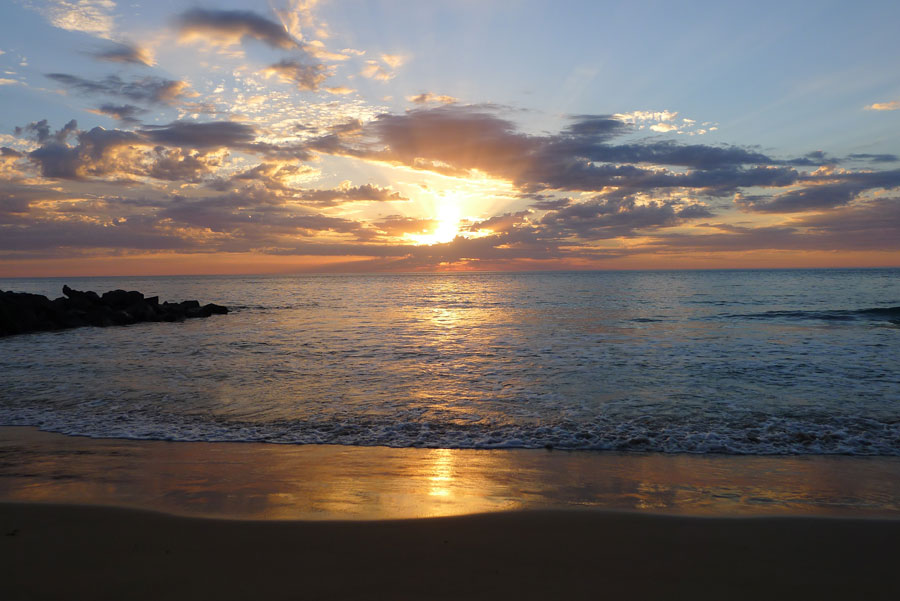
(266, 308)
(726, 434)
(890, 314)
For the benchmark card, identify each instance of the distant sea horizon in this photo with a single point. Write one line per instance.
(438, 272)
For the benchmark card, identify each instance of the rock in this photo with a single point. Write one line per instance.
(215, 309)
(21, 312)
(119, 299)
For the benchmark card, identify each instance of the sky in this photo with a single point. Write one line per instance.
(170, 137)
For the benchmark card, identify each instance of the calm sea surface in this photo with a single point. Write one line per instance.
(741, 362)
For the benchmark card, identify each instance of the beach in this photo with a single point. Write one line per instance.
(99, 519)
(72, 552)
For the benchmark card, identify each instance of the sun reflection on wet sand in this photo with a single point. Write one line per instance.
(259, 481)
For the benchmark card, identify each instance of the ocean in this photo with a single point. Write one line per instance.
(768, 362)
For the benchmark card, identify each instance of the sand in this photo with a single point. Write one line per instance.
(79, 552)
(117, 519)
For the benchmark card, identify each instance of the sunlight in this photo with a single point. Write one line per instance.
(447, 227)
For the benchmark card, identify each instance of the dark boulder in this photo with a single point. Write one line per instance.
(120, 299)
(215, 309)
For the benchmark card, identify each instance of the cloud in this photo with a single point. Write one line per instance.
(229, 28)
(870, 226)
(41, 133)
(317, 49)
(5, 81)
(215, 134)
(126, 113)
(91, 156)
(893, 105)
(340, 90)
(384, 70)
(177, 151)
(664, 122)
(393, 61)
(304, 76)
(123, 52)
(373, 70)
(823, 192)
(613, 218)
(501, 223)
(298, 16)
(148, 89)
(347, 193)
(398, 225)
(123, 233)
(640, 116)
(88, 16)
(180, 165)
(429, 98)
(874, 158)
(459, 139)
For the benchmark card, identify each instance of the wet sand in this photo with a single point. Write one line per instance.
(76, 552)
(330, 482)
(114, 519)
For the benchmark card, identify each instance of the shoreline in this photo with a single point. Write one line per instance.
(261, 481)
(82, 552)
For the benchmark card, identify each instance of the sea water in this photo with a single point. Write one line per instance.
(734, 362)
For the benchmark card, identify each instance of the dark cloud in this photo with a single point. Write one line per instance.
(550, 204)
(874, 158)
(126, 113)
(613, 218)
(5, 151)
(121, 233)
(40, 131)
(838, 190)
(814, 198)
(304, 76)
(148, 89)
(231, 26)
(88, 157)
(597, 127)
(124, 53)
(213, 134)
(57, 160)
(349, 194)
(874, 225)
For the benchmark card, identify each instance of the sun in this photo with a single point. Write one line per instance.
(447, 227)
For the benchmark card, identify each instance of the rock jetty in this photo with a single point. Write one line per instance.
(21, 312)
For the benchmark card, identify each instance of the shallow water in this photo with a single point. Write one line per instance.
(741, 362)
